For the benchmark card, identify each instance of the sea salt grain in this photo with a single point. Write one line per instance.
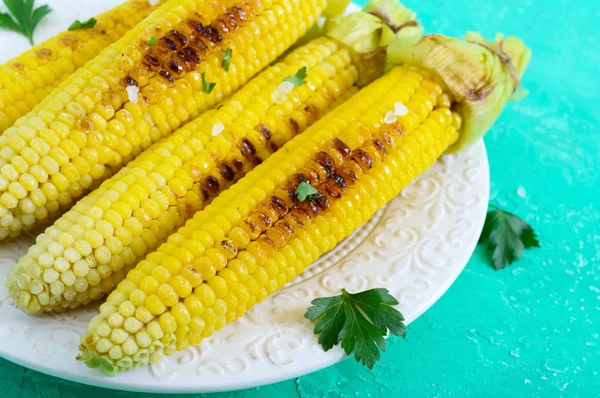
(217, 129)
(280, 94)
(153, 2)
(390, 117)
(400, 109)
(132, 92)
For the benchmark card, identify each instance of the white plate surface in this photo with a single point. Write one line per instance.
(416, 247)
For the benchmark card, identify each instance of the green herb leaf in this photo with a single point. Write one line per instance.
(89, 24)
(153, 40)
(359, 321)
(227, 59)
(207, 87)
(507, 236)
(306, 192)
(298, 78)
(22, 17)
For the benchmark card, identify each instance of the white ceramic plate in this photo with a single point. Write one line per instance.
(416, 247)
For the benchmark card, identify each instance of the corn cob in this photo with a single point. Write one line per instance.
(258, 120)
(257, 236)
(28, 78)
(133, 94)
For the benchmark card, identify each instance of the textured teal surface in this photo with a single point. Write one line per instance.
(530, 330)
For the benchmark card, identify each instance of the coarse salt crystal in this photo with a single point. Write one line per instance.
(400, 109)
(521, 192)
(390, 118)
(153, 2)
(132, 92)
(281, 92)
(217, 129)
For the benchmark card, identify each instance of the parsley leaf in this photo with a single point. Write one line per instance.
(298, 78)
(359, 321)
(227, 59)
(207, 87)
(22, 17)
(153, 40)
(507, 236)
(89, 24)
(306, 192)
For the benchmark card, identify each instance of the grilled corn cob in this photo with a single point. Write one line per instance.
(89, 250)
(133, 94)
(28, 78)
(258, 235)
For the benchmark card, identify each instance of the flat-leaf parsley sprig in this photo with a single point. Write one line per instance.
(22, 17)
(506, 236)
(359, 321)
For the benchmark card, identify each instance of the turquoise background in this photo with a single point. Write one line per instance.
(532, 329)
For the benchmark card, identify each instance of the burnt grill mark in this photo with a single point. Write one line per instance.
(228, 245)
(387, 139)
(169, 44)
(362, 158)
(279, 206)
(273, 146)
(310, 207)
(130, 81)
(264, 130)
(239, 13)
(150, 62)
(178, 37)
(181, 49)
(226, 172)
(247, 149)
(191, 55)
(379, 145)
(322, 202)
(298, 179)
(212, 34)
(295, 126)
(253, 227)
(341, 147)
(311, 110)
(175, 67)
(221, 26)
(212, 185)
(325, 160)
(166, 75)
(339, 180)
(195, 25)
(238, 164)
(350, 175)
(264, 219)
(268, 241)
(230, 21)
(205, 195)
(200, 46)
(44, 53)
(287, 228)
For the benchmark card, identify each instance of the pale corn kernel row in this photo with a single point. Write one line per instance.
(90, 124)
(25, 80)
(210, 272)
(139, 207)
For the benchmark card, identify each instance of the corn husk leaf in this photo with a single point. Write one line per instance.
(401, 20)
(482, 76)
(377, 26)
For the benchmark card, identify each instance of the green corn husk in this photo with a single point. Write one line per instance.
(481, 75)
(379, 24)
